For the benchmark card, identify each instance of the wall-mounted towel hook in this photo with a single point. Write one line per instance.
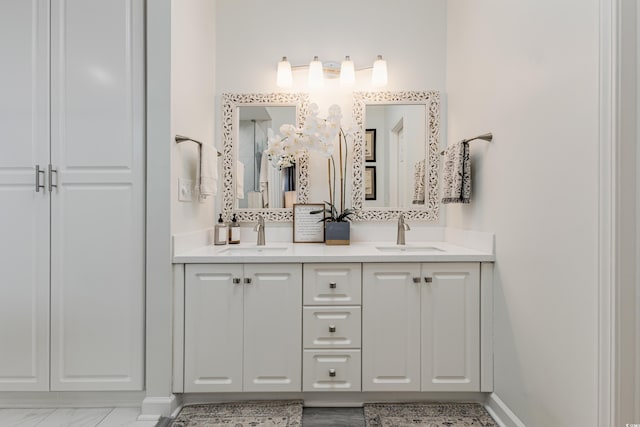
(485, 137)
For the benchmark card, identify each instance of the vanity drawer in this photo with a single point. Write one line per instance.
(332, 284)
(331, 370)
(331, 327)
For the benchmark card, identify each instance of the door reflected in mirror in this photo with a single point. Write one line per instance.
(263, 186)
(395, 153)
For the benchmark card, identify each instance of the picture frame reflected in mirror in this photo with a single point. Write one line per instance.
(370, 145)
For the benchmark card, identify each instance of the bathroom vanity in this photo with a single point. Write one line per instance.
(369, 317)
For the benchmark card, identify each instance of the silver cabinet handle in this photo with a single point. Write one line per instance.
(236, 280)
(416, 280)
(332, 285)
(51, 184)
(332, 328)
(332, 372)
(38, 172)
(247, 280)
(428, 279)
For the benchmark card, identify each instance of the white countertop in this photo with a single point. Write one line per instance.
(279, 252)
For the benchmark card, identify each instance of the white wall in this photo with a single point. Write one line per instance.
(193, 73)
(528, 72)
(254, 34)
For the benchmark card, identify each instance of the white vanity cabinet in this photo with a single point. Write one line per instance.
(243, 327)
(421, 327)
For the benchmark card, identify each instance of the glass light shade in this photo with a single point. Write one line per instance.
(315, 73)
(347, 72)
(379, 74)
(284, 77)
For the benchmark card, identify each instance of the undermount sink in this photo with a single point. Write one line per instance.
(400, 248)
(254, 250)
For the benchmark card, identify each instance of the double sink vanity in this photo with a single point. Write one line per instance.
(368, 317)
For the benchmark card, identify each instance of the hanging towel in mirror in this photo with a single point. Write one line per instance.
(264, 179)
(239, 178)
(208, 171)
(456, 178)
(418, 182)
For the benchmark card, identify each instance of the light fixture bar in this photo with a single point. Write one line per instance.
(320, 70)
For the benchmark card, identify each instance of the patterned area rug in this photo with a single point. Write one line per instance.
(427, 415)
(263, 413)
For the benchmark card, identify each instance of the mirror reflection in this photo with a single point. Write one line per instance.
(263, 185)
(395, 155)
(398, 174)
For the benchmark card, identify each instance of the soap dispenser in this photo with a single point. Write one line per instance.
(234, 231)
(221, 232)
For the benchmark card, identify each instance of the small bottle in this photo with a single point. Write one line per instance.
(221, 232)
(234, 231)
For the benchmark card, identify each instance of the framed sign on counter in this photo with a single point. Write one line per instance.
(308, 226)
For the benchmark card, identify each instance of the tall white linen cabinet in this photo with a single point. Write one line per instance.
(71, 195)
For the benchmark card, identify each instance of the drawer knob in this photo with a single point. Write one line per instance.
(332, 285)
(332, 328)
(236, 280)
(416, 280)
(247, 280)
(332, 372)
(428, 279)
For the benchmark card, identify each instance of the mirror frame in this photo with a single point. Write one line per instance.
(431, 100)
(230, 121)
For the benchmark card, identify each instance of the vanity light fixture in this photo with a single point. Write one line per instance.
(319, 70)
(284, 77)
(316, 78)
(347, 72)
(379, 74)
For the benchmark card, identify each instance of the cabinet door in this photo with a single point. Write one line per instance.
(24, 213)
(97, 209)
(451, 327)
(390, 327)
(213, 328)
(273, 327)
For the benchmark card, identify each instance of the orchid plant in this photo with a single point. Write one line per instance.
(317, 134)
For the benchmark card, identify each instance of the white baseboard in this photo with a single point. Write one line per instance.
(155, 407)
(501, 412)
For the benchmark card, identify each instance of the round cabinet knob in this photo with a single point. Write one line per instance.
(332, 285)
(236, 280)
(332, 372)
(332, 328)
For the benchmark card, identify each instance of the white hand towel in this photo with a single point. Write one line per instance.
(456, 178)
(239, 179)
(208, 171)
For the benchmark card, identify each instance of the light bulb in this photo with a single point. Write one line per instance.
(379, 74)
(284, 77)
(347, 72)
(315, 73)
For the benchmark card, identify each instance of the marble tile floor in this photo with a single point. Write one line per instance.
(73, 417)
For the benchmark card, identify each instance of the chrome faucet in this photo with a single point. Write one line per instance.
(260, 229)
(402, 227)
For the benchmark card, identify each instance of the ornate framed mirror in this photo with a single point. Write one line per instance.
(396, 161)
(261, 189)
